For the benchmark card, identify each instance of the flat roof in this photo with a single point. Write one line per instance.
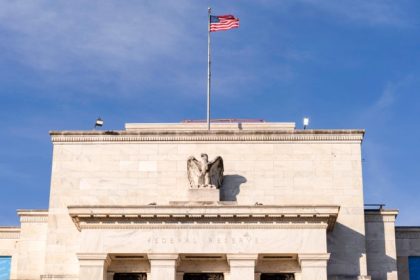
(198, 132)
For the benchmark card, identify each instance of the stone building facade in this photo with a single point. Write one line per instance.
(290, 207)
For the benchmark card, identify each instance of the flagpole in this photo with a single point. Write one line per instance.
(208, 71)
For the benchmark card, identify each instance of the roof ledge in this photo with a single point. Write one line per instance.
(214, 126)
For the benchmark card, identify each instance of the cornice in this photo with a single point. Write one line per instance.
(381, 216)
(171, 217)
(223, 126)
(97, 224)
(205, 136)
(314, 256)
(9, 233)
(92, 256)
(33, 216)
(407, 235)
(407, 232)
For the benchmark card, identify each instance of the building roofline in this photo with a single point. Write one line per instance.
(200, 132)
(32, 211)
(407, 228)
(250, 134)
(9, 233)
(9, 228)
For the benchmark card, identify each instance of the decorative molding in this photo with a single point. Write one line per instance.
(33, 216)
(94, 259)
(238, 125)
(205, 136)
(303, 225)
(314, 256)
(33, 219)
(172, 217)
(381, 216)
(407, 232)
(10, 233)
(313, 259)
(407, 235)
(381, 219)
(92, 256)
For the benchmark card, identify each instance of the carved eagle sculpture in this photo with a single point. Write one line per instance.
(205, 174)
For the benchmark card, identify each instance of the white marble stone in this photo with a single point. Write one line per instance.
(313, 266)
(206, 194)
(242, 266)
(381, 244)
(163, 266)
(265, 165)
(9, 239)
(93, 266)
(31, 246)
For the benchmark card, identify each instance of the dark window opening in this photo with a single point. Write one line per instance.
(277, 276)
(203, 276)
(130, 276)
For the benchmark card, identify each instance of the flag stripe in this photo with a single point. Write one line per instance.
(224, 26)
(225, 22)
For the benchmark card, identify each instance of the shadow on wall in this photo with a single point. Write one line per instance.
(380, 265)
(231, 187)
(347, 247)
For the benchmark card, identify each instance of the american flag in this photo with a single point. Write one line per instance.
(220, 23)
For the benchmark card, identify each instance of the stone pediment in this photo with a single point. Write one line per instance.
(220, 216)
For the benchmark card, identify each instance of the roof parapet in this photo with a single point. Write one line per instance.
(218, 126)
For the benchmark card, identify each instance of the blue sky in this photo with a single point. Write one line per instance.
(345, 64)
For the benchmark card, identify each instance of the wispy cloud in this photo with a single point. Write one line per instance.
(124, 45)
(380, 152)
(118, 31)
(392, 92)
(129, 41)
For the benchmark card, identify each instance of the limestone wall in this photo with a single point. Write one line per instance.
(280, 167)
(208, 266)
(26, 245)
(408, 244)
(380, 244)
(9, 238)
(32, 243)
